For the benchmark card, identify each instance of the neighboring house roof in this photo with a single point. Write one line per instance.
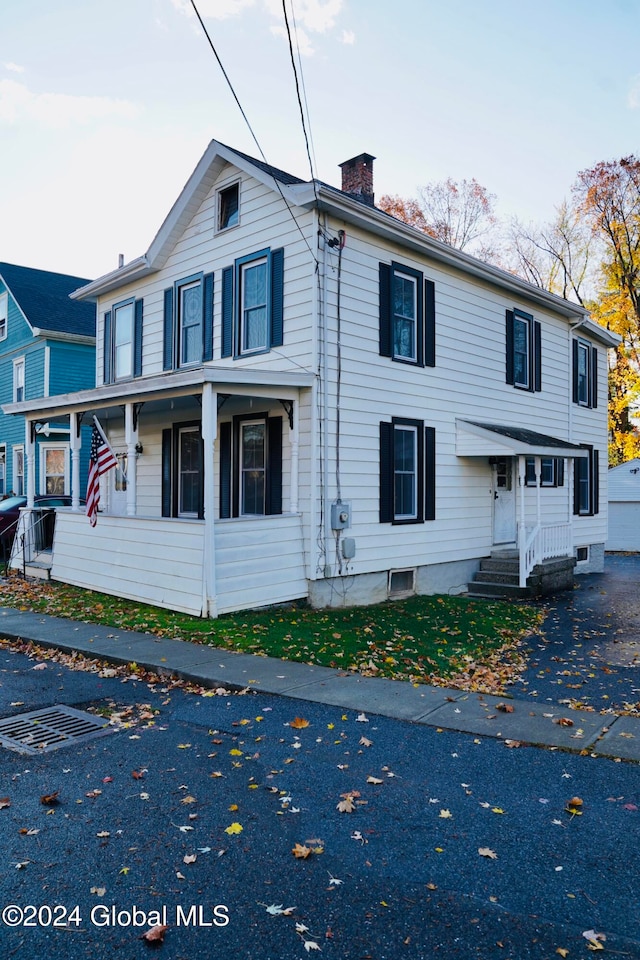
(624, 481)
(43, 298)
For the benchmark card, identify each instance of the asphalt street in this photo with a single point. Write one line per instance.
(188, 813)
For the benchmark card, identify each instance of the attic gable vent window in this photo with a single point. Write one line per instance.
(229, 207)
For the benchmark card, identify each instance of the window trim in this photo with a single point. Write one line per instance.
(170, 464)
(187, 283)
(242, 265)
(425, 471)
(590, 400)
(592, 480)
(43, 449)
(3, 469)
(19, 364)
(219, 201)
(244, 423)
(229, 464)
(231, 338)
(4, 315)
(129, 302)
(18, 452)
(425, 322)
(533, 361)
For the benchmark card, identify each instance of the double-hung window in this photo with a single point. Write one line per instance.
(407, 315)
(18, 471)
(4, 308)
(585, 374)
(182, 471)
(524, 351)
(407, 471)
(250, 466)
(254, 297)
(18, 380)
(188, 322)
(586, 487)
(551, 472)
(122, 341)
(252, 304)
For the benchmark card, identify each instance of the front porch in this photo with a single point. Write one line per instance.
(499, 577)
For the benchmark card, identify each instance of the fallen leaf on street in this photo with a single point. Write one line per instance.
(301, 851)
(234, 828)
(155, 934)
(298, 723)
(50, 799)
(504, 707)
(486, 852)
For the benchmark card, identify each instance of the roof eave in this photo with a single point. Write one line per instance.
(129, 273)
(383, 225)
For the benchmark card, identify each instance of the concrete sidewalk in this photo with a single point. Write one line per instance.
(522, 722)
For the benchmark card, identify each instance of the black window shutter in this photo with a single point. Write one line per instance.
(227, 312)
(429, 473)
(386, 472)
(595, 481)
(277, 298)
(225, 470)
(274, 466)
(594, 377)
(574, 370)
(167, 355)
(559, 472)
(166, 472)
(201, 477)
(509, 339)
(429, 324)
(207, 317)
(385, 310)
(537, 356)
(137, 338)
(107, 348)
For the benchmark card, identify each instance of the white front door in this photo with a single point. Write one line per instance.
(504, 501)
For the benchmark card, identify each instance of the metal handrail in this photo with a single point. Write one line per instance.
(45, 513)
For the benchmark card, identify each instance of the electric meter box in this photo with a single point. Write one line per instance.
(340, 516)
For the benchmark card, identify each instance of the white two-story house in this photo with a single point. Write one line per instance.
(310, 399)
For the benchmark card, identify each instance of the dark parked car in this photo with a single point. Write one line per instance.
(10, 513)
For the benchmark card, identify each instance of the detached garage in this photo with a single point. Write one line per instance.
(624, 507)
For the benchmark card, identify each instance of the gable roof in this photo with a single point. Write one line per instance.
(350, 209)
(43, 298)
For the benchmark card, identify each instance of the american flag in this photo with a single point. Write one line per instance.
(101, 459)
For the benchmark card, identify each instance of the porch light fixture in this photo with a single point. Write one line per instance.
(139, 448)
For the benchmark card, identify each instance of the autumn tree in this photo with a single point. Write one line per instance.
(456, 212)
(608, 196)
(557, 256)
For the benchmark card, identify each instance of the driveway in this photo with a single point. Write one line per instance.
(589, 650)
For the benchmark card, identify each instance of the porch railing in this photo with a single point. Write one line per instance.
(542, 542)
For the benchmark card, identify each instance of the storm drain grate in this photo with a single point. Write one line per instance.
(43, 730)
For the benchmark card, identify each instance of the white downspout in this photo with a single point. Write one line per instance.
(295, 457)
(209, 435)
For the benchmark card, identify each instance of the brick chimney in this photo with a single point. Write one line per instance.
(357, 178)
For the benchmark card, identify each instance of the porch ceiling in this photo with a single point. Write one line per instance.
(475, 439)
(232, 380)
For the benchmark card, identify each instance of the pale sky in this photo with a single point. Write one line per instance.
(107, 105)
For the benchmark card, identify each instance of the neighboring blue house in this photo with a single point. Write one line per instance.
(47, 347)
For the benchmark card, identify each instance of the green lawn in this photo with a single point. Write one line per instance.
(423, 639)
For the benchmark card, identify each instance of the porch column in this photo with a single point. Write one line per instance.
(131, 439)
(521, 486)
(295, 457)
(538, 466)
(30, 456)
(75, 444)
(209, 434)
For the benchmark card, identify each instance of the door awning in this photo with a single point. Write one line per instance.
(475, 439)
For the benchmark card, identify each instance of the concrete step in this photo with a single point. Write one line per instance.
(38, 570)
(498, 591)
(500, 566)
(497, 576)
